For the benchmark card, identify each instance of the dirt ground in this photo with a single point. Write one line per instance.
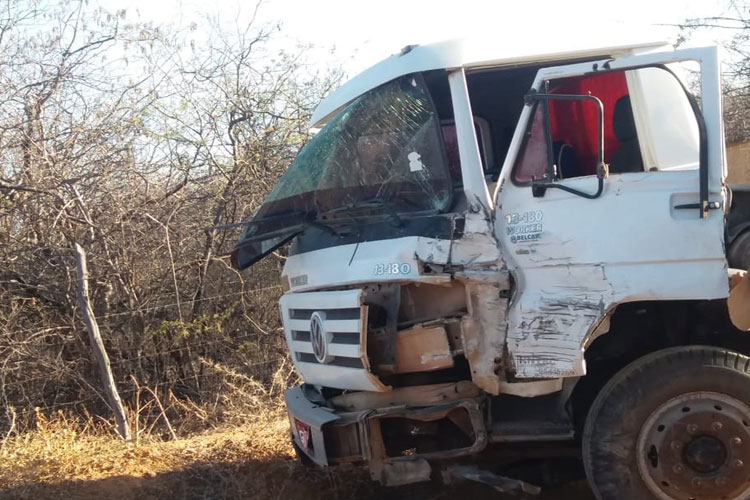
(211, 482)
(254, 461)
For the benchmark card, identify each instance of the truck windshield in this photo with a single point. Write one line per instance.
(386, 145)
(382, 154)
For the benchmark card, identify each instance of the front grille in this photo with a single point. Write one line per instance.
(333, 353)
(343, 326)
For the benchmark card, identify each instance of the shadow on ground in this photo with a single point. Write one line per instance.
(277, 477)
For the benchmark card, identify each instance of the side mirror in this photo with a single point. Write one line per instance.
(539, 188)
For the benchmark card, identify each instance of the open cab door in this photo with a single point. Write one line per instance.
(612, 192)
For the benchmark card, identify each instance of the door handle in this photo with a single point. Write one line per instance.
(712, 205)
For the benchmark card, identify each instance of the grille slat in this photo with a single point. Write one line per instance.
(347, 313)
(344, 350)
(338, 362)
(332, 325)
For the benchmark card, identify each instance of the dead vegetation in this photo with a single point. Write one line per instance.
(234, 447)
(75, 459)
(131, 140)
(66, 458)
(242, 451)
(245, 454)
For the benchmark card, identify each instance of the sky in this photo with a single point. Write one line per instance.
(363, 33)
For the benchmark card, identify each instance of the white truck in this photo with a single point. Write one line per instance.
(513, 250)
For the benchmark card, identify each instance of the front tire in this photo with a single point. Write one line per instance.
(673, 425)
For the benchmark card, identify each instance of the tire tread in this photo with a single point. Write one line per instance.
(623, 391)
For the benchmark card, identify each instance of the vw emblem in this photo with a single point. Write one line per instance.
(319, 338)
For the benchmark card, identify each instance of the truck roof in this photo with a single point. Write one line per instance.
(472, 54)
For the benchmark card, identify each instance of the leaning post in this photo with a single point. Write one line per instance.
(98, 346)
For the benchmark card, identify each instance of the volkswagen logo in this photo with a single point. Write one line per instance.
(319, 338)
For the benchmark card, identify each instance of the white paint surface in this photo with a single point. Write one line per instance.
(479, 52)
(630, 244)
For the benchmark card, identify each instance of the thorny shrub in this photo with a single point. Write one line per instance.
(138, 171)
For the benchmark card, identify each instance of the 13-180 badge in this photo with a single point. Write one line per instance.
(392, 268)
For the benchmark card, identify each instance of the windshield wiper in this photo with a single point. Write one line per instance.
(324, 225)
(372, 203)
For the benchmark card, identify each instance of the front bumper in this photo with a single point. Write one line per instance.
(300, 409)
(397, 442)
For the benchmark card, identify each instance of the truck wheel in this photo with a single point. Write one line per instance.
(739, 252)
(673, 425)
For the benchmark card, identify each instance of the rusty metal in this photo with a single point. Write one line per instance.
(389, 470)
(697, 446)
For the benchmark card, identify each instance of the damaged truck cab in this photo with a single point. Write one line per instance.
(489, 248)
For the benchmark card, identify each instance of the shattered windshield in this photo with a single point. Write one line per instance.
(383, 154)
(386, 145)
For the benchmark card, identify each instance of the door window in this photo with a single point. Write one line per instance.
(649, 125)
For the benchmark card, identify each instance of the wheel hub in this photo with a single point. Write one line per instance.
(705, 454)
(697, 447)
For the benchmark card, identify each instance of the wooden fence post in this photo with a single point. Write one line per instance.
(98, 346)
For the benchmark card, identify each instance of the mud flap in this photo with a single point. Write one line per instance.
(739, 300)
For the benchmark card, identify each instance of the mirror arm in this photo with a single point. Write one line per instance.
(538, 189)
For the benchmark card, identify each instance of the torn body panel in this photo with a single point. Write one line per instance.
(475, 261)
(562, 308)
(548, 327)
(401, 441)
(483, 332)
(424, 302)
(396, 433)
(575, 252)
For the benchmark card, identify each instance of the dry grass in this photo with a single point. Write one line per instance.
(234, 448)
(75, 460)
(61, 450)
(226, 448)
(70, 459)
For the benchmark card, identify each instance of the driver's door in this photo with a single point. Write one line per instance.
(654, 232)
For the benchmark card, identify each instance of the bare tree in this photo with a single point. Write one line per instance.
(732, 29)
(132, 140)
